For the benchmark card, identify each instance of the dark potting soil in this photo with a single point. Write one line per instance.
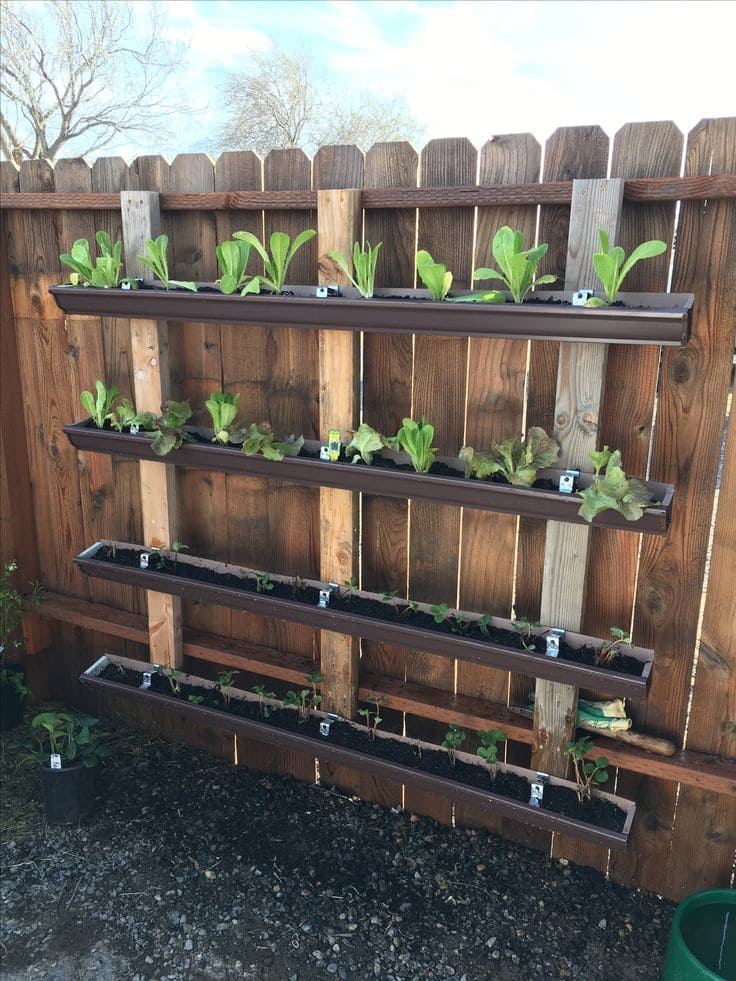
(345, 600)
(438, 762)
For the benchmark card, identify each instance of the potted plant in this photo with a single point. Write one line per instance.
(67, 746)
(13, 690)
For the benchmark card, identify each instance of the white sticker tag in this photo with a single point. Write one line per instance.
(55, 761)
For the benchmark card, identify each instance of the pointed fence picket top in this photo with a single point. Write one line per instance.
(276, 371)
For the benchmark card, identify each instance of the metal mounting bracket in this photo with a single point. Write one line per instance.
(568, 481)
(324, 726)
(581, 297)
(324, 595)
(537, 789)
(325, 291)
(144, 557)
(146, 683)
(552, 641)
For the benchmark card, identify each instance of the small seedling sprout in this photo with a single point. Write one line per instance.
(484, 623)
(314, 680)
(439, 612)
(488, 749)
(173, 677)
(587, 772)
(350, 585)
(388, 595)
(523, 627)
(372, 716)
(608, 652)
(263, 582)
(196, 699)
(263, 694)
(460, 625)
(176, 548)
(611, 268)
(224, 682)
(454, 738)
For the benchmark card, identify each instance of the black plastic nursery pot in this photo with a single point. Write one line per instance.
(235, 587)
(391, 475)
(351, 745)
(11, 701)
(639, 318)
(68, 793)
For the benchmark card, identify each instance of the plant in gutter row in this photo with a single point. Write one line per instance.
(296, 722)
(515, 461)
(470, 636)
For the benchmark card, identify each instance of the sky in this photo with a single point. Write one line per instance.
(480, 68)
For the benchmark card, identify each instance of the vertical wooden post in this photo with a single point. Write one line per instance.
(595, 204)
(149, 349)
(339, 226)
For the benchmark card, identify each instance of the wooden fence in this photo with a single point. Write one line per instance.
(664, 409)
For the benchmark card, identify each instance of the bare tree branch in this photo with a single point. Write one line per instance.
(82, 68)
(283, 101)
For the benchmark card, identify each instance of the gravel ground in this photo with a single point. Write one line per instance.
(191, 868)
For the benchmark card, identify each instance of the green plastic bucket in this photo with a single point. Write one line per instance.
(702, 945)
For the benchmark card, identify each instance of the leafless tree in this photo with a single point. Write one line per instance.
(81, 72)
(284, 101)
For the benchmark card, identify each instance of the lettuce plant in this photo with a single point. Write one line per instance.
(434, 275)
(516, 267)
(276, 265)
(516, 459)
(365, 442)
(415, 438)
(363, 276)
(169, 432)
(612, 270)
(103, 271)
(126, 417)
(223, 407)
(260, 438)
(155, 259)
(612, 489)
(99, 407)
(232, 258)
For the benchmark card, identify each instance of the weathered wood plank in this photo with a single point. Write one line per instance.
(686, 449)
(439, 393)
(149, 353)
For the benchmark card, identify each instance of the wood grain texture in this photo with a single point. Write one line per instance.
(646, 150)
(494, 412)
(686, 447)
(438, 392)
(387, 374)
(149, 346)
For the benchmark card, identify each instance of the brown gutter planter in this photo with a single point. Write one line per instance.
(323, 748)
(118, 561)
(309, 469)
(647, 318)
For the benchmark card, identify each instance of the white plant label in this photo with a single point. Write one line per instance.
(55, 761)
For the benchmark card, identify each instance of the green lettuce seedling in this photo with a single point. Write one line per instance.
(260, 438)
(587, 772)
(155, 259)
(169, 433)
(488, 749)
(104, 271)
(365, 442)
(276, 265)
(125, 417)
(439, 612)
(434, 275)
(516, 459)
(612, 270)
(232, 258)
(223, 407)
(415, 438)
(100, 407)
(263, 582)
(613, 490)
(454, 738)
(517, 267)
(363, 276)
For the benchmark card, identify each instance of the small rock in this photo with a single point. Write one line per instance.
(602, 924)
